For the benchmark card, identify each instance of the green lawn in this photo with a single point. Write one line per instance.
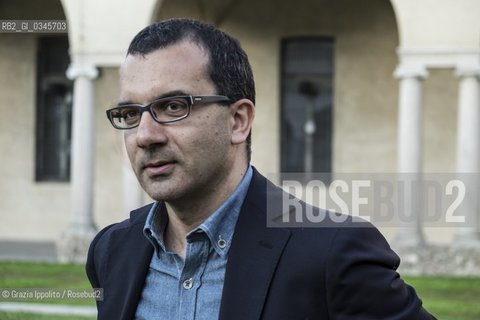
(58, 277)
(30, 316)
(447, 298)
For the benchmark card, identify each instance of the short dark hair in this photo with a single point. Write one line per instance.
(228, 67)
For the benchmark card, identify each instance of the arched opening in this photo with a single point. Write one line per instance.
(362, 39)
(35, 122)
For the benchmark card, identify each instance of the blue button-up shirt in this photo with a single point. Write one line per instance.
(177, 289)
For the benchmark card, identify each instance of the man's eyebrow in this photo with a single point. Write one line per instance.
(164, 95)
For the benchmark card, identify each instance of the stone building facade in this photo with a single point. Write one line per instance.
(399, 81)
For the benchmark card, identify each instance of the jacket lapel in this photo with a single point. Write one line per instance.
(132, 254)
(253, 256)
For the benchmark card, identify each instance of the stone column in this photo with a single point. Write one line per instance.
(468, 148)
(132, 191)
(409, 153)
(75, 240)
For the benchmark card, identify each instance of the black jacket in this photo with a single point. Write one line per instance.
(335, 272)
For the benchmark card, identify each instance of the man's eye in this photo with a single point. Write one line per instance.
(129, 114)
(174, 108)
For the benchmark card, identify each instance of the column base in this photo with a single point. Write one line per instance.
(439, 260)
(470, 240)
(408, 238)
(72, 247)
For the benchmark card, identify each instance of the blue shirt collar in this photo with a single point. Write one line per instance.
(219, 226)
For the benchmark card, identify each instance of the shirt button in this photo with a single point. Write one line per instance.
(222, 243)
(188, 284)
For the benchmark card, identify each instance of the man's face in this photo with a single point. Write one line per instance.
(182, 159)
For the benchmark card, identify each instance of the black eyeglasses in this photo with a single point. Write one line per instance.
(164, 110)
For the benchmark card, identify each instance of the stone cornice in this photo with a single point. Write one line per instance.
(87, 70)
(440, 57)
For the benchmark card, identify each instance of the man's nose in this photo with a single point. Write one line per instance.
(150, 132)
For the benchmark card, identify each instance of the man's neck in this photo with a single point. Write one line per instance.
(186, 215)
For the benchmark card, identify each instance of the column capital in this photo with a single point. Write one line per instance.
(464, 70)
(77, 69)
(404, 70)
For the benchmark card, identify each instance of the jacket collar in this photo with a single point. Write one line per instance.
(255, 252)
(131, 253)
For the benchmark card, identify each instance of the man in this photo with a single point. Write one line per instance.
(203, 249)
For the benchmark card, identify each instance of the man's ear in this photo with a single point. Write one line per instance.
(243, 112)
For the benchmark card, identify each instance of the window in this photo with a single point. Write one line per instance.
(54, 110)
(307, 104)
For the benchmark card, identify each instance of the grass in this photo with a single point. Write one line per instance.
(58, 277)
(32, 316)
(448, 298)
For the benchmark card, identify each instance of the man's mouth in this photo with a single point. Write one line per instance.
(158, 168)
